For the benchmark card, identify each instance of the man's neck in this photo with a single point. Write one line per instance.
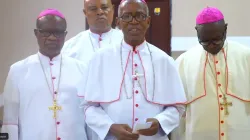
(97, 31)
(134, 43)
(50, 56)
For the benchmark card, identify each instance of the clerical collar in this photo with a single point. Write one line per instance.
(129, 47)
(103, 35)
(43, 57)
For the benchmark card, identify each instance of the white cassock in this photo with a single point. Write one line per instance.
(28, 99)
(113, 96)
(85, 44)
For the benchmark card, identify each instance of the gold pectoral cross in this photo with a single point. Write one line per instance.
(54, 108)
(226, 104)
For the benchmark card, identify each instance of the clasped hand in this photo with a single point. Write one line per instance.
(124, 131)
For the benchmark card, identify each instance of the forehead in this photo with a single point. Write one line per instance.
(130, 7)
(211, 30)
(97, 2)
(51, 22)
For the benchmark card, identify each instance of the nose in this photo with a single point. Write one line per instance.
(134, 21)
(100, 11)
(52, 37)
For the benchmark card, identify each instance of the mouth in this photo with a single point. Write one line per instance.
(51, 45)
(101, 19)
(134, 30)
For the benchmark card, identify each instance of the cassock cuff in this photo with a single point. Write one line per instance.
(106, 134)
(165, 127)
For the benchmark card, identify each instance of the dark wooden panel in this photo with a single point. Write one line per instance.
(159, 32)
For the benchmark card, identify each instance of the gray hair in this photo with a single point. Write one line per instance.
(138, 1)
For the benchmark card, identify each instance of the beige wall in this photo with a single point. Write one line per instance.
(236, 13)
(18, 21)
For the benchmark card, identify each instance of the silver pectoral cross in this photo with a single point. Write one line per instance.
(137, 75)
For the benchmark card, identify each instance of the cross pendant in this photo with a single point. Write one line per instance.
(226, 104)
(54, 108)
(136, 75)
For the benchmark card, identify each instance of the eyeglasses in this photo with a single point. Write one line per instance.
(215, 41)
(57, 34)
(128, 17)
(94, 9)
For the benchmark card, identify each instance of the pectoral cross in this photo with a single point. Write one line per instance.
(226, 104)
(136, 75)
(54, 108)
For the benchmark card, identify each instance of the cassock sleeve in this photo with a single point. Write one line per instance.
(169, 119)
(97, 119)
(179, 132)
(82, 84)
(11, 106)
(68, 47)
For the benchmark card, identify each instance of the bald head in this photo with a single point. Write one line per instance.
(124, 3)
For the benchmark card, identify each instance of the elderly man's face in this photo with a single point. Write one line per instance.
(50, 34)
(99, 14)
(134, 20)
(212, 36)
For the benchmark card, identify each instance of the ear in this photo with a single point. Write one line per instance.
(226, 27)
(84, 11)
(196, 28)
(36, 32)
(149, 20)
(66, 32)
(117, 21)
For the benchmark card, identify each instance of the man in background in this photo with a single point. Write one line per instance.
(216, 79)
(99, 14)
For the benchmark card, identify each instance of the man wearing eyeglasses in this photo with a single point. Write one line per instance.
(40, 96)
(99, 14)
(216, 79)
(137, 94)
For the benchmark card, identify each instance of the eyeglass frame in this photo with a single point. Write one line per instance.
(214, 41)
(134, 17)
(41, 31)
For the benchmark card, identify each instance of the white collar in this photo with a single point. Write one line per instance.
(95, 35)
(125, 45)
(46, 58)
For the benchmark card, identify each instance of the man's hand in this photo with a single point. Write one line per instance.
(152, 130)
(123, 132)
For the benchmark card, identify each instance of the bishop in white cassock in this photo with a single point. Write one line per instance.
(99, 14)
(40, 94)
(137, 82)
(216, 79)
